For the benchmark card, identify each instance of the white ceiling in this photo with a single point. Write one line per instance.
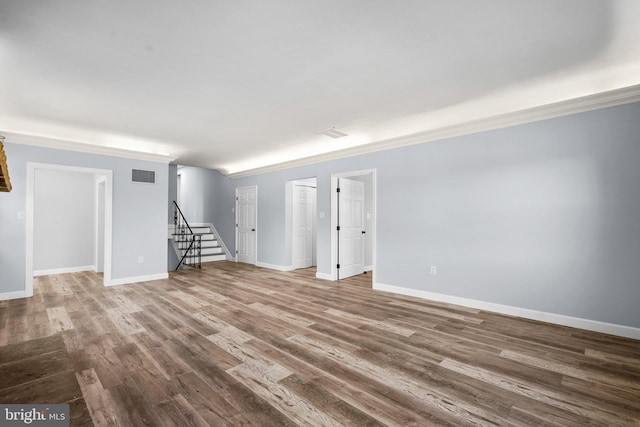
(237, 85)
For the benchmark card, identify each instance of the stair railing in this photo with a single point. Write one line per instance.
(186, 239)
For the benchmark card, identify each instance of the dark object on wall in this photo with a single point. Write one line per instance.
(5, 182)
(148, 177)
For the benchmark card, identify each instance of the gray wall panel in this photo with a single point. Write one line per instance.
(64, 224)
(139, 213)
(542, 216)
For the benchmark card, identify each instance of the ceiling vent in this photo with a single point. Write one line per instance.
(148, 177)
(332, 132)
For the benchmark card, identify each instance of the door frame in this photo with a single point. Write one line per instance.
(255, 249)
(334, 218)
(290, 220)
(101, 186)
(30, 215)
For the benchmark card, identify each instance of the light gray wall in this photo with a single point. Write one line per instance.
(139, 213)
(208, 196)
(63, 227)
(197, 195)
(172, 191)
(541, 216)
(172, 258)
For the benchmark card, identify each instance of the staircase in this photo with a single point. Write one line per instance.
(196, 243)
(210, 248)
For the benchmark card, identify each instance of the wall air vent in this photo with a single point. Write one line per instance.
(332, 132)
(148, 177)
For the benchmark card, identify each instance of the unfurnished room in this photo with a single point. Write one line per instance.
(320, 213)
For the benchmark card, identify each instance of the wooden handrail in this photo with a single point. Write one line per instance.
(5, 181)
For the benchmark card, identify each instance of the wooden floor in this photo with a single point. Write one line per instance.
(239, 345)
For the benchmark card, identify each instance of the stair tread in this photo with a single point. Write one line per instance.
(210, 248)
(203, 242)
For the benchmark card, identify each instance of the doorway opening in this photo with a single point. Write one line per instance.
(353, 223)
(303, 199)
(101, 218)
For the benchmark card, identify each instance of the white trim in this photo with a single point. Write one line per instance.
(559, 319)
(324, 276)
(596, 101)
(59, 144)
(219, 238)
(290, 232)
(108, 220)
(108, 227)
(274, 266)
(368, 268)
(137, 279)
(64, 270)
(100, 179)
(13, 295)
(334, 218)
(30, 190)
(333, 256)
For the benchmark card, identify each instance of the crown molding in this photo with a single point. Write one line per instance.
(626, 95)
(39, 141)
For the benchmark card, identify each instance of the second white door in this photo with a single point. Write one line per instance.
(246, 228)
(351, 227)
(303, 225)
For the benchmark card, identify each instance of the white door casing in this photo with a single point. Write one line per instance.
(351, 223)
(100, 216)
(101, 175)
(303, 226)
(246, 224)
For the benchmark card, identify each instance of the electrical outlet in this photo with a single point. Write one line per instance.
(140, 259)
(434, 270)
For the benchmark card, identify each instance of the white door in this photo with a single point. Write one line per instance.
(351, 223)
(246, 212)
(303, 221)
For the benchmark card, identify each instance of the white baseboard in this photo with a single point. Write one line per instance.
(559, 319)
(324, 276)
(137, 279)
(13, 295)
(64, 270)
(275, 267)
(368, 268)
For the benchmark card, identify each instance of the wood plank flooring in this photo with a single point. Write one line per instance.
(235, 345)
